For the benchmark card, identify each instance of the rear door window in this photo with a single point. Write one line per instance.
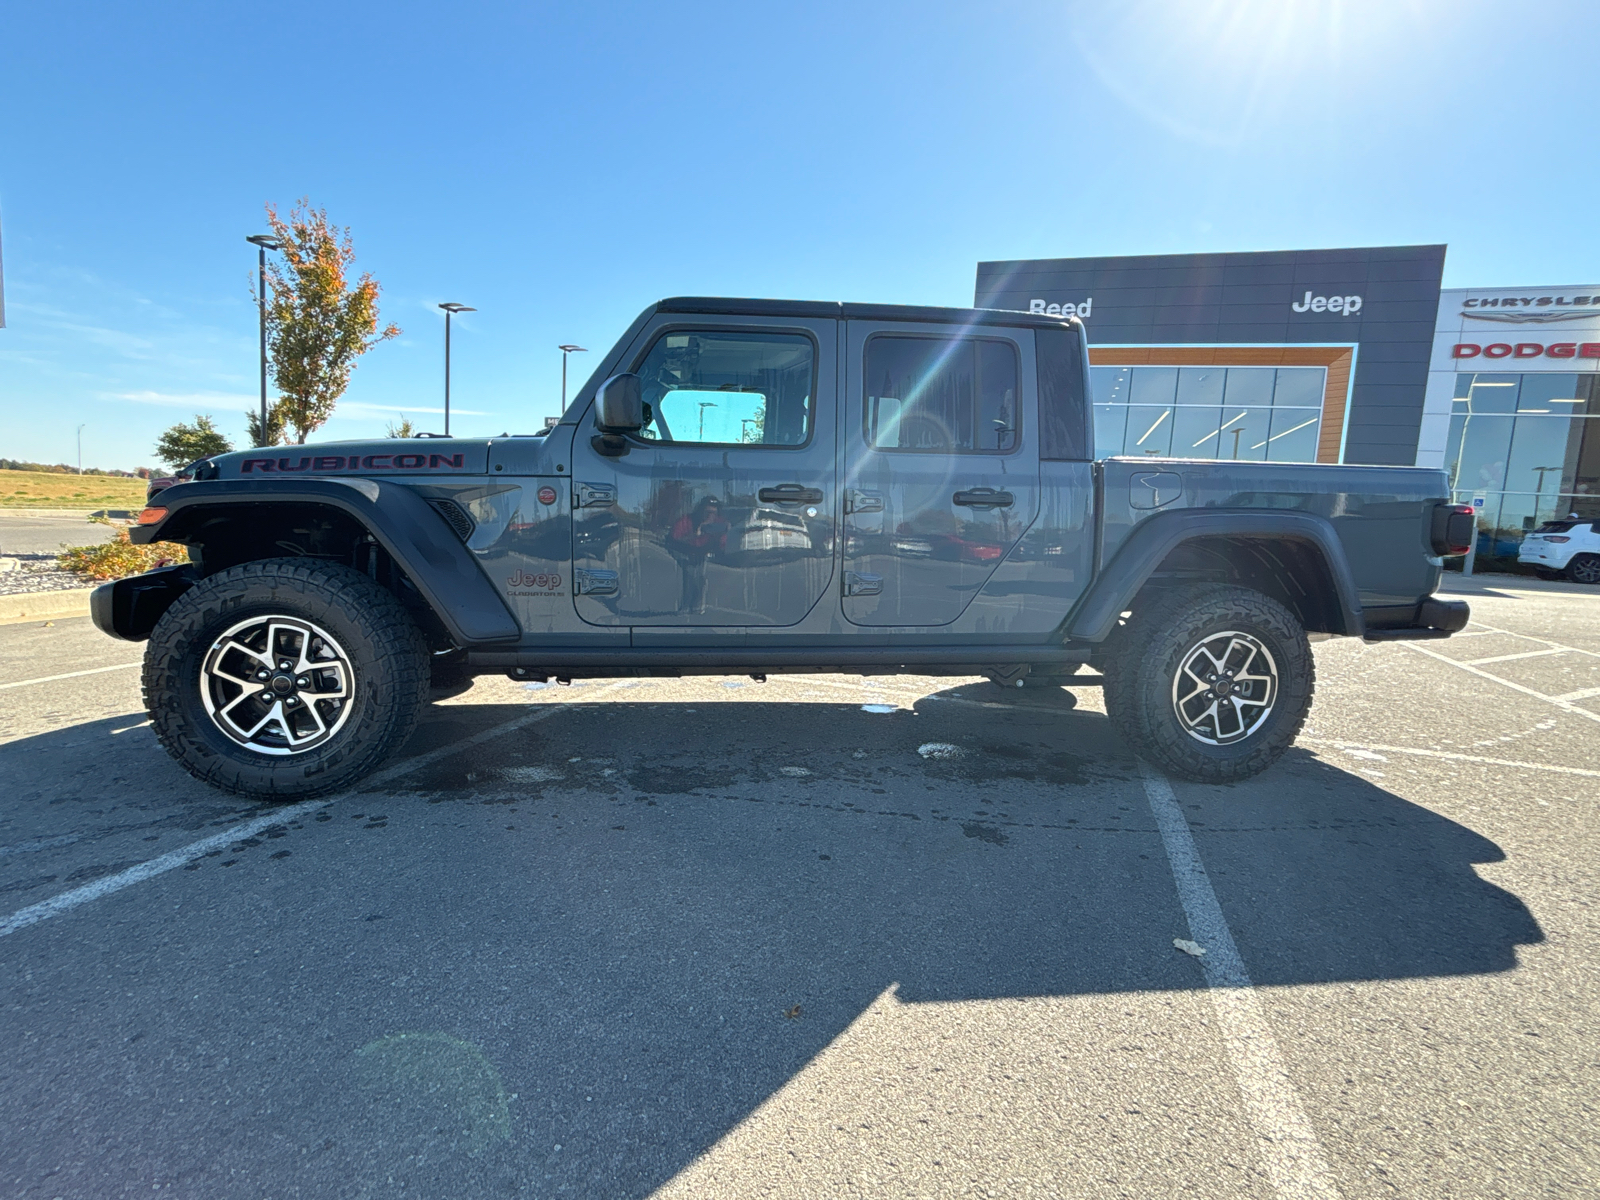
(941, 395)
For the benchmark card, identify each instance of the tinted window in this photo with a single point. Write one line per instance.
(726, 388)
(1063, 431)
(949, 396)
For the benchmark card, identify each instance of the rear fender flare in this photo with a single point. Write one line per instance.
(1113, 592)
(414, 535)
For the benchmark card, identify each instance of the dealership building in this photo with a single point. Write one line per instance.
(1338, 356)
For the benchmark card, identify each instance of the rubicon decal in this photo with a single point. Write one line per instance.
(1526, 350)
(355, 462)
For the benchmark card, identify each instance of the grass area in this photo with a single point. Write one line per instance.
(40, 489)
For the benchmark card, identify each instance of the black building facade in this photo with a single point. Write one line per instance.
(1305, 355)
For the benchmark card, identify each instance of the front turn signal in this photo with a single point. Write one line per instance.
(150, 516)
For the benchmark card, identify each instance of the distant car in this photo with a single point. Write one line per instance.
(1568, 547)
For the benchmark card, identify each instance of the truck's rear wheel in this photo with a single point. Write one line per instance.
(284, 678)
(1212, 682)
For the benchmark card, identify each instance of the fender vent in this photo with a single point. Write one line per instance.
(456, 516)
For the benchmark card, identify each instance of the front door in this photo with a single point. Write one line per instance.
(722, 511)
(941, 468)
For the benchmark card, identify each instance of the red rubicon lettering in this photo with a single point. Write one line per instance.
(376, 462)
(1562, 350)
(1529, 349)
(1498, 350)
(305, 463)
(331, 462)
(1466, 350)
(410, 462)
(1589, 350)
(251, 464)
(446, 460)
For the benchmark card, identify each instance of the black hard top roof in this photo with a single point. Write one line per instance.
(727, 306)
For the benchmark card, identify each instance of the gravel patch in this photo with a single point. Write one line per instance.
(38, 573)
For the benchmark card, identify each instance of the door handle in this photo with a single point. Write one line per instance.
(790, 493)
(857, 501)
(984, 498)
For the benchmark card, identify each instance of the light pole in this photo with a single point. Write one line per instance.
(450, 310)
(566, 350)
(80, 449)
(705, 404)
(263, 242)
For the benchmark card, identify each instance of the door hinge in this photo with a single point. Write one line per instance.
(593, 495)
(857, 501)
(858, 584)
(595, 583)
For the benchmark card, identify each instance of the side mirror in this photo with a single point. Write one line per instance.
(619, 406)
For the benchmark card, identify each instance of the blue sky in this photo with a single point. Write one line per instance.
(560, 167)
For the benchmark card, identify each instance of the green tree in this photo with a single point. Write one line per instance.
(275, 435)
(319, 322)
(184, 444)
(404, 429)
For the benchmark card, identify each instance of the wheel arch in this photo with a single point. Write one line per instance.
(1295, 558)
(226, 523)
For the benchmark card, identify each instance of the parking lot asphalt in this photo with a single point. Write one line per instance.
(715, 937)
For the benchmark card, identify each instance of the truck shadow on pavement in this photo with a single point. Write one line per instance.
(643, 920)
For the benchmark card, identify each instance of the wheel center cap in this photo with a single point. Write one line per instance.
(283, 684)
(1223, 686)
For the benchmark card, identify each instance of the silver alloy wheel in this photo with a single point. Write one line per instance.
(1586, 568)
(1225, 688)
(277, 684)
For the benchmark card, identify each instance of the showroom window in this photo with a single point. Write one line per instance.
(1524, 449)
(1262, 414)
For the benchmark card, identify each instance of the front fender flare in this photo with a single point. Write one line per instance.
(1112, 593)
(417, 537)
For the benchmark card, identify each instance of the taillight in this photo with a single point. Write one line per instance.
(1452, 529)
(1551, 537)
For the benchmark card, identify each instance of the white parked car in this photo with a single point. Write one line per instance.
(1568, 546)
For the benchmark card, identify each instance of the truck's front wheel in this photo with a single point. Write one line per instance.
(1213, 684)
(284, 678)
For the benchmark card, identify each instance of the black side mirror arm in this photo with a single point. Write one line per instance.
(609, 445)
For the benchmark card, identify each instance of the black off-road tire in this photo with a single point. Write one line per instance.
(387, 657)
(1150, 652)
(1584, 568)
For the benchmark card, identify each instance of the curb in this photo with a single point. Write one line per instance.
(40, 606)
(116, 514)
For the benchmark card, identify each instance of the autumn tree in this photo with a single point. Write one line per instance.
(184, 444)
(275, 434)
(318, 321)
(404, 429)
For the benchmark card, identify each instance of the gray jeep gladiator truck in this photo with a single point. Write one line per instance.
(759, 486)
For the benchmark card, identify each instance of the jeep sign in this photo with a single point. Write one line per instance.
(1348, 305)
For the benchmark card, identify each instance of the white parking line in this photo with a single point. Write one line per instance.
(67, 901)
(1478, 662)
(1557, 701)
(1285, 1137)
(69, 675)
(1451, 756)
(1580, 694)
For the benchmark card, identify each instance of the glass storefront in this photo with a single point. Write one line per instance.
(1525, 449)
(1271, 414)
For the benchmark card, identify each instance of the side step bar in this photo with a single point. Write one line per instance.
(719, 659)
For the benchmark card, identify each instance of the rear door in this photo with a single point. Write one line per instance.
(722, 512)
(941, 466)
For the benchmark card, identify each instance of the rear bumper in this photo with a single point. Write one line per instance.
(1436, 618)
